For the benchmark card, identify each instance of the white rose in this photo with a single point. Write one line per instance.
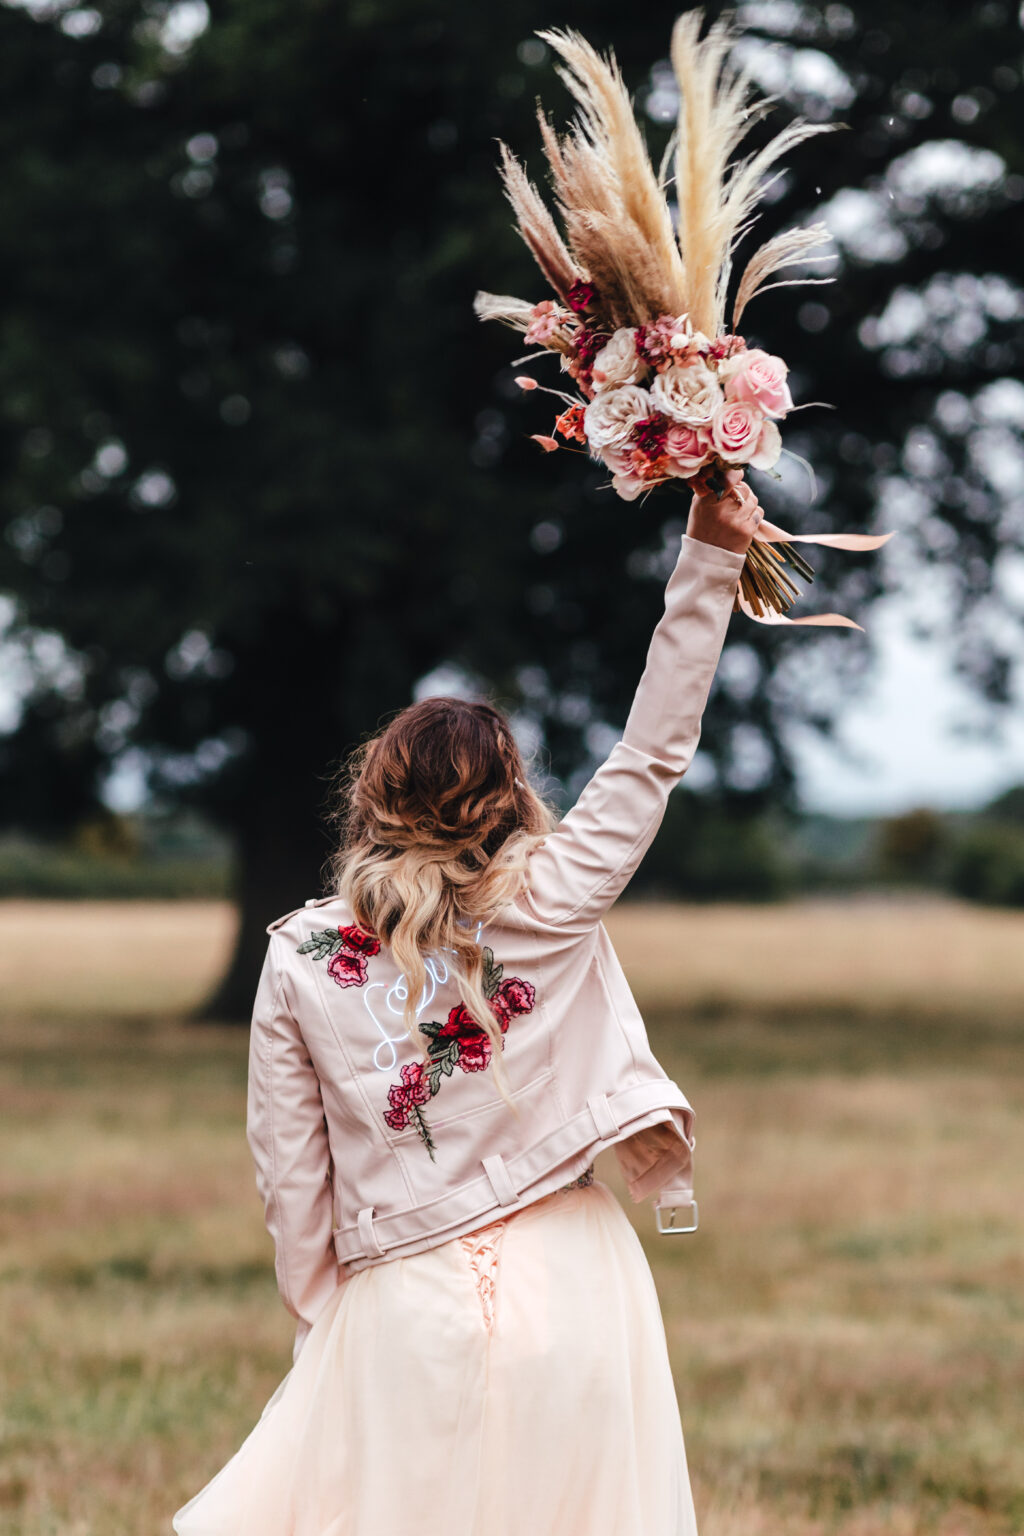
(611, 416)
(617, 362)
(687, 392)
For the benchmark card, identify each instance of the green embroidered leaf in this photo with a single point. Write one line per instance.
(492, 973)
(430, 1030)
(320, 945)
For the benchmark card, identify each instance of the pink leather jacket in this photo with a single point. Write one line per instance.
(364, 1153)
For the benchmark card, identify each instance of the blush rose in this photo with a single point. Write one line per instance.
(758, 378)
(741, 435)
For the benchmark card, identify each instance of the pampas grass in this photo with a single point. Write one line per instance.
(613, 206)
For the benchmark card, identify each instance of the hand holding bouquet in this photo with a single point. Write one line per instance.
(664, 391)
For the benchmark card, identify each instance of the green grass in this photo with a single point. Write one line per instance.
(847, 1329)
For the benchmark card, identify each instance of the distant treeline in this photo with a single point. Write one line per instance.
(705, 851)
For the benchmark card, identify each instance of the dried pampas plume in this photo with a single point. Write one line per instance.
(618, 229)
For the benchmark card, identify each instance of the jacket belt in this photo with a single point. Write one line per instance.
(605, 1119)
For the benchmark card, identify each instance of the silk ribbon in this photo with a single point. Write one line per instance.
(770, 533)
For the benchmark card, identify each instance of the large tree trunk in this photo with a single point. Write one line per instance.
(281, 849)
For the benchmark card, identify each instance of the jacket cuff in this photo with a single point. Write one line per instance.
(712, 556)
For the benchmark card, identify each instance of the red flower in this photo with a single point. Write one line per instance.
(396, 1118)
(517, 996)
(417, 1089)
(649, 435)
(581, 296)
(359, 941)
(474, 1046)
(347, 969)
(459, 1025)
(475, 1053)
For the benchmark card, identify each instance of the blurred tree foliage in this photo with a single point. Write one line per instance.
(262, 470)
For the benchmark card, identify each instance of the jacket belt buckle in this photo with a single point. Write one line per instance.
(670, 1225)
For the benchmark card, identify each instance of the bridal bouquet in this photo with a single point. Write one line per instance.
(665, 390)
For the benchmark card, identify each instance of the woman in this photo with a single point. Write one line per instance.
(437, 1054)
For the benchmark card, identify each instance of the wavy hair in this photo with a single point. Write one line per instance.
(436, 820)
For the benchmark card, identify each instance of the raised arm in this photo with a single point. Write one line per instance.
(583, 865)
(287, 1135)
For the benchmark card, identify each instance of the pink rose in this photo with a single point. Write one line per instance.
(347, 969)
(758, 378)
(396, 1118)
(687, 448)
(741, 435)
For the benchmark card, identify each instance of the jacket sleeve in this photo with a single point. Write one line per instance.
(287, 1134)
(581, 867)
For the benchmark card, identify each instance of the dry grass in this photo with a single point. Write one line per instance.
(847, 1329)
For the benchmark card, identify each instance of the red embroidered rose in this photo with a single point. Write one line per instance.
(475, 1053)
(474, 1046)
(516, 995)
(359, 941)
(459, 1024)
(396, 1118)
(347, 969)
(416, 1085)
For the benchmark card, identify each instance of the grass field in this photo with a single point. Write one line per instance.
(847, 1329)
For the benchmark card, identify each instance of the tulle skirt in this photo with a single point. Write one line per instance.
(510, 1383)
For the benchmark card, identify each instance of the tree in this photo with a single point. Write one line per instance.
(262, 469)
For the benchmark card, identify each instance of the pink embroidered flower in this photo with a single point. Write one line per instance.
(517, 995)
(416, 1085)
(544, 320)
(398, 1115)
(357, 939)
(758, 378)
(347, 969)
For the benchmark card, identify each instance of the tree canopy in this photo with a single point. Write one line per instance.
(263, 471)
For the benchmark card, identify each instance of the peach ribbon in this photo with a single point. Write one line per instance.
(769, 533)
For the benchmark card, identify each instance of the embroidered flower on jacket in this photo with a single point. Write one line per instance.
(348, 970)
(354, 937)
(458, 1042)
(346, 950)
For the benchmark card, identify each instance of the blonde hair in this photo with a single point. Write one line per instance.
(437, 820)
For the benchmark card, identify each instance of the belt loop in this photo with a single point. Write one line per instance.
(501, 1183)
(604, 1121)
(367, 1236)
